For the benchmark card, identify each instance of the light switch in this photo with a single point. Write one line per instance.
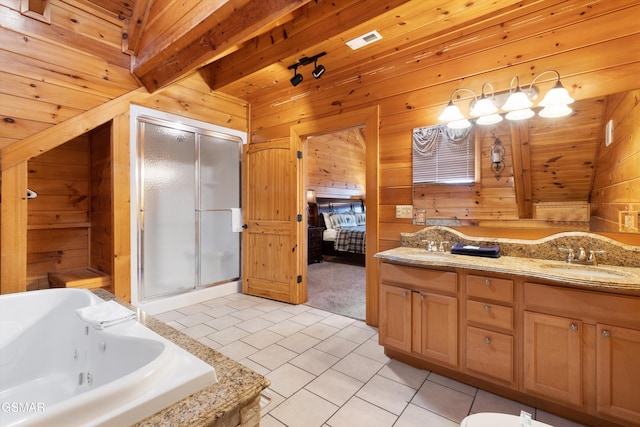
(404, 211)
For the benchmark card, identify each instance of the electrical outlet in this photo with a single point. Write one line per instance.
(404, 211)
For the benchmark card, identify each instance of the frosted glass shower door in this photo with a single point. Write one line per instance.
(168, 210)
(219, 192)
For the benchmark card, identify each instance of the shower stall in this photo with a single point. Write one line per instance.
(187, 202)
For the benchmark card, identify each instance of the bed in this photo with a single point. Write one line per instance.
(344, 222)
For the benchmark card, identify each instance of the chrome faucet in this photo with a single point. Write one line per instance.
(582, 257)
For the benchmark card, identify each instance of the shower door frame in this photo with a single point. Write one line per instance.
(199, 129)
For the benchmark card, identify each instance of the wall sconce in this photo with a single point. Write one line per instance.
(497, 158)
(311, 196)
(517, 106)
(317, 72)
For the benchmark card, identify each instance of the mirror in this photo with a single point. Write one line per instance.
(557, 173)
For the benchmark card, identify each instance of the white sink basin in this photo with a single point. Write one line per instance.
(586, 271)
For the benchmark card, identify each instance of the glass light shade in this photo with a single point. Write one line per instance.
(555, 111)
(522, 114)
(490, 119)
(459, 124)
(483, 107)
(557, 95)
(518, 100)
(451, 113)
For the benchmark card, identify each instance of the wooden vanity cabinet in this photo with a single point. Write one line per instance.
(489, 330)
(582, 348)
(553, 357)
(618, 372)
(419, 312)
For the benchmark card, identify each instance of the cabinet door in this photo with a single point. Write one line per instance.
(618, 372)
(395, 317)
(439, 327)
(553, 357)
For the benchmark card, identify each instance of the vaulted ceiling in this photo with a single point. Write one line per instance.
(244, 48)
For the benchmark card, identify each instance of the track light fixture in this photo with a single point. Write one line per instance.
(517, 106)
(297, 78)
(318, 70)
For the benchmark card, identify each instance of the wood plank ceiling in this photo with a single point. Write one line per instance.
(244, 47)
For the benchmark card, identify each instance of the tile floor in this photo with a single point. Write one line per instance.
(328, 370)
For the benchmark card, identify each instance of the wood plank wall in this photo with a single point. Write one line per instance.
(101, 245)
(336, 165)
(616, 184)
(589, 47)
(59, 218)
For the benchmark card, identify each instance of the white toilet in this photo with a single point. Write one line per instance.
(492, 419)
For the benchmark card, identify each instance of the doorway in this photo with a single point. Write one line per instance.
(336, 179)
(368, 119)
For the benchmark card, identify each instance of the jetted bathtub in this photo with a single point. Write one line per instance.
(58, 370)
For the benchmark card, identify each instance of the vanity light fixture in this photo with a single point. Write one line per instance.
(497, 158)
(517, 106)
(452, 114)
(318, 70)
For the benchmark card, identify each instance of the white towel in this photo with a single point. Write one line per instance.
(236, 220)
(105, 314)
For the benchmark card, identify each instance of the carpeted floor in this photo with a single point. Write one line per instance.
(338, 288)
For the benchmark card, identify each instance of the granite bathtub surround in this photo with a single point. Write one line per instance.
(615, 253)
(233, 401)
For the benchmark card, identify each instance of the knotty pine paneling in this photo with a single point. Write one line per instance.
(101, 250)
(50, 73)
(58, 219)
(413, 86)
(617, 175)
(336, 165)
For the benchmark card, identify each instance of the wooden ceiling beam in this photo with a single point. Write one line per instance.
(320, 23)
(209, 40)
(137, 24)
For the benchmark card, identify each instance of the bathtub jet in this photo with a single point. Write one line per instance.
(58, 370)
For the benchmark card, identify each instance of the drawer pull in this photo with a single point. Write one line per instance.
(487, 340)
(421, 297)
(487, 308)
(606, 334)
(404, 294)
(487, 282)
(574, 327)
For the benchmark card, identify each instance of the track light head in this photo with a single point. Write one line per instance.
(297, 78)
(318, 71)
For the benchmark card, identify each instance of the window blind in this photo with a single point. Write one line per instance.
(443, 156)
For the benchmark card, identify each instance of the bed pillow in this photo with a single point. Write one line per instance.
(361, 218)
(327, 220)
(342, 220)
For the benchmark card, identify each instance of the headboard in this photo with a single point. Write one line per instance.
(328, 205)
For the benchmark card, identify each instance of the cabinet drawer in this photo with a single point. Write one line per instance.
(490, 288)
(419, 278)
(490, 353)
(490, 315)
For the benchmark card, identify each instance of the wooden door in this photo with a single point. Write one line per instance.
(439, 327)
(618, 372)
(553, 357)
(395, 317)
(272, 251)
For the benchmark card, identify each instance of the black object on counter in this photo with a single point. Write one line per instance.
(483, 251)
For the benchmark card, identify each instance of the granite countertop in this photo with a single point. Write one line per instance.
(236, 387)
(603, 277)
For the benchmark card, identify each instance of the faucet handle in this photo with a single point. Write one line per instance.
(592, 256)
(570, 253)
(441, 248)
